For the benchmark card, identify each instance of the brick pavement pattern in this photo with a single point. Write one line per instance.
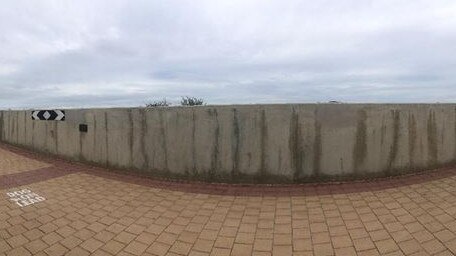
(90, 211)
(11, 163)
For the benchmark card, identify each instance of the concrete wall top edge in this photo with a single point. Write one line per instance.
(249, 106)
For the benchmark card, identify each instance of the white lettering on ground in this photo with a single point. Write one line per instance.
(24, 197)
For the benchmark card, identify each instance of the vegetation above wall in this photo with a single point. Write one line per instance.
(185, 101)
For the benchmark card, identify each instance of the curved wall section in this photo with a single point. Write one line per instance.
(249, 143)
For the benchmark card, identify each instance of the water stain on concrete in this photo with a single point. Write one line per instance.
(46, 132)
(412, 135)
(33, 134)
(55, 136)
(235, 144)
(432, 138)
(215, 164)
(16, 123)
(317, 149)
(360, 148)
(11, 126)
(279, 160)
(394, 148)
(454, 143)
(25, 128)
(95, 133)
(194, 170)
(142, 141)
(382, 131)
(106, 136)
(17, 127)
(296, 147)
(81, 155)
(26, 120)
(130, 135)
(263, 142)
(1, 125)
(164, 143)
(81, 136)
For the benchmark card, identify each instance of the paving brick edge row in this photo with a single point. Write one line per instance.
(61, 167)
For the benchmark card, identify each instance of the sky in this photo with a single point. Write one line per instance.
(119, 53)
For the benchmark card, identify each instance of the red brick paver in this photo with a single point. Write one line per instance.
(11, 163)
(92, 211)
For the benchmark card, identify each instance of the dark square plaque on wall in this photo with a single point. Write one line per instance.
(83, 128)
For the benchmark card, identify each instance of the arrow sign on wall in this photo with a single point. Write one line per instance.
(57, 115)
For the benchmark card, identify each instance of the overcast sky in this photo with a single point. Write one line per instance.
(125, 53)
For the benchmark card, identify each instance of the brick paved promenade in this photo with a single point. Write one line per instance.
(53, 207)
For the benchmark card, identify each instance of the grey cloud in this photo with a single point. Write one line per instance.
(123, 53)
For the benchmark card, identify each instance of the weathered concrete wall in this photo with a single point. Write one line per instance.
(255, 143)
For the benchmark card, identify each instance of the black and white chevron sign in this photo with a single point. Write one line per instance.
(57, 115)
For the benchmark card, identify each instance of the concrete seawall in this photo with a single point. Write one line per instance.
(249, 143)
